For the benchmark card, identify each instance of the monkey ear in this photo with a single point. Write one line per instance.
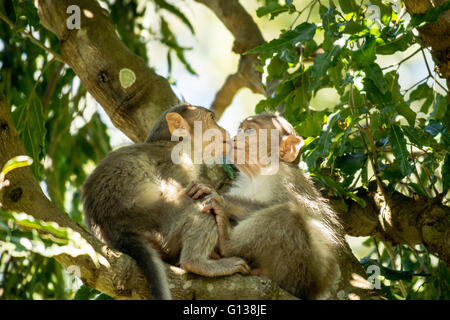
(290, 147)
(177, 125)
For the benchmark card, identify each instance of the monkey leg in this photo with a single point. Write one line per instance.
(199, 240)
(283, 243)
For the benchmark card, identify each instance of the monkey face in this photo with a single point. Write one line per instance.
(198, 126)
(263, 140)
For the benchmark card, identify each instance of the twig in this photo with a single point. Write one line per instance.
(300, 12)
(419, 258)
(28, 35)
(429, 71)
(377, 250)
(415, 84)
(392, 257)
(403, 60)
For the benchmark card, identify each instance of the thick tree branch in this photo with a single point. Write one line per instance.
(97, 56)
(247, 36)
(401, 220)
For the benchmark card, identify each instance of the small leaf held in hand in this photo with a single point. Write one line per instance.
(398, 143)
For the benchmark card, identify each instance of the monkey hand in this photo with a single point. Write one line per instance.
(196, 190)
(214, 202)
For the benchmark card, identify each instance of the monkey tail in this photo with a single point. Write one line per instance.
(149, 261)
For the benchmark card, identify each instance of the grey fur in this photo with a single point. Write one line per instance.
(134, 201)
(282, 240)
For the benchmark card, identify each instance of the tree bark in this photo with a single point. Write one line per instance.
(401, 220)
(98, 57)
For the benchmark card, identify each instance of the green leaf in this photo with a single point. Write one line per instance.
(439, 107)
(366, 55)
(272, 8)
(333, 185)
(353, 27)
(420, 138)
(401, 43)
(373, 72)
(322, 63)
(174, 10)
(422, 91)
(350, 163)
(30, 123)
(398, 143)
(404, 110)
(418, 189)
(434, 128)
(327, 133)
(228, 170)
(348, 6)
(302, 32)
(310, 124)
(16, 162)
(385, 11)
(276, 68)
(169, 39)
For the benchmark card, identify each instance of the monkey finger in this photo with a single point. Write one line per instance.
(245, 269)
(192, 189)
(256, 272)
(207, 208)
(198, 194)
(215, 255)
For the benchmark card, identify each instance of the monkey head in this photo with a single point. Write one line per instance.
(196, 126)
(263, 139)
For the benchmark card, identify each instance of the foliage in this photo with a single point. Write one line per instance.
(35, 277)
(377, 132)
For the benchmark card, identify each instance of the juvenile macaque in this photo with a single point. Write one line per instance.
(285, 229)
(135, 200)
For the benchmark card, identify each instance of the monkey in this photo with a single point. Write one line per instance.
(283, 227)
(134, 200)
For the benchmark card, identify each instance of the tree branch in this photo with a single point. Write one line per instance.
(401, 220)
(98, 58)
(247, 36)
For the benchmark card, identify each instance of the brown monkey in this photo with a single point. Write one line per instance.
(285, 228)
(135, 201)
